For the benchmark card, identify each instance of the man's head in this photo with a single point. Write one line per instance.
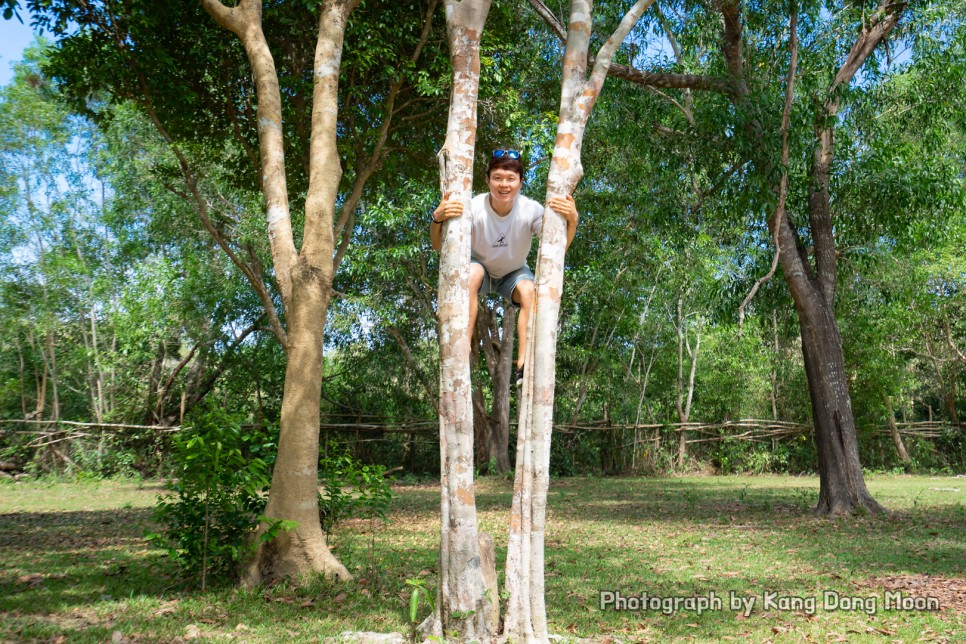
(504, 177)
(503, 159)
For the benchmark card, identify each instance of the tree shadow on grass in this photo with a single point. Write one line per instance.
(53, 560)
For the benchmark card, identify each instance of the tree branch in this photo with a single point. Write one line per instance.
(630, 73)
(780, 212)
(245, 21)
(548, 17)
(820, 216)
(606, 54)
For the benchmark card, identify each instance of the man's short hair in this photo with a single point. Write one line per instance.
(505, 163)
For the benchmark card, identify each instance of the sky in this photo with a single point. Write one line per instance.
(14, 38)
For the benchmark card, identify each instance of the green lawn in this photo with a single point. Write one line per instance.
(74, 566)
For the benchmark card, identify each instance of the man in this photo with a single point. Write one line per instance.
(504, 223)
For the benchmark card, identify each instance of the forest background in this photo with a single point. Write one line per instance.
(136, 295)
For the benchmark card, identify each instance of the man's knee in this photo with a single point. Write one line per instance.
(523, 293)
(476, 277)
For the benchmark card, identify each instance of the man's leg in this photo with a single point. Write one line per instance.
(523, 295)
(476, 281)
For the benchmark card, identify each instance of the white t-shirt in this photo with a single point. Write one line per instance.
(502, 244)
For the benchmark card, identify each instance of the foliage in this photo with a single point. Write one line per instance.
(215, 503)
(97, 238)
(421, 593)
(352, 489)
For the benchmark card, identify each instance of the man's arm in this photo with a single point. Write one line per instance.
(446, 210)
(567, 208)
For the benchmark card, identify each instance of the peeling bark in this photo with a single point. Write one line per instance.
(461, 607)
(526, 618)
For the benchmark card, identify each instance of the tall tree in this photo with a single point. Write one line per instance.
(275, 107)
(462, 606)
(526, 610)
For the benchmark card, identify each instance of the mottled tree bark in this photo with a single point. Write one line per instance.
(526, 618)
(461, 607)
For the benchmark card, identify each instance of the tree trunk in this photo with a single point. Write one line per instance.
(497, 345)
(302, 552)
(774, 369)
(842, 488)
(683, 401)
(52, 357)
(501, 376)
(812, 287)
(894, 430)
(305, 283)
(526, 618)
(154, 381)
(21, 379)
(461, 607)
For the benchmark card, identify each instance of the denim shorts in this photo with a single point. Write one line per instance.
(505, 285)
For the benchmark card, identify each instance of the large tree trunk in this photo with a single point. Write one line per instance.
(462, 607)
(842, 488)
(301, 552)
(526, 618)
(305, 282)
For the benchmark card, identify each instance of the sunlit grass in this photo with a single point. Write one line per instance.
(73, 563)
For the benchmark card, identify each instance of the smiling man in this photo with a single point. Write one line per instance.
(504, 223)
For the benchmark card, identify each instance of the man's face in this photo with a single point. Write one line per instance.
(504, 186)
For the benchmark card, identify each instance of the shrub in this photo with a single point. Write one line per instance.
(216, 502)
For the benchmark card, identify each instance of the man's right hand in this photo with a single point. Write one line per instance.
(447, 209)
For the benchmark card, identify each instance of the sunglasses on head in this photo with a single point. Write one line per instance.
(499, 154)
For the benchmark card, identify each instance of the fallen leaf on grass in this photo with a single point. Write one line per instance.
(167, 609)
(32, 580)
(281, 599)
(340, 597)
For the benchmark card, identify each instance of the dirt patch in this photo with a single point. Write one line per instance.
(950, 591)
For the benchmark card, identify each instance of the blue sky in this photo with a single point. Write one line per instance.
(14, 38)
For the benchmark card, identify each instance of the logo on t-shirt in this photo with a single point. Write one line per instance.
(501, 242)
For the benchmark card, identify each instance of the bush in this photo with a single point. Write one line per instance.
(352, 489)
(216, 502)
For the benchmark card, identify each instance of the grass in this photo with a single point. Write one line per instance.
(74, 565)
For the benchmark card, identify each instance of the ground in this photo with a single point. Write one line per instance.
(75, 567)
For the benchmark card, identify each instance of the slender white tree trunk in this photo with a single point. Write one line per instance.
(526, 618)
(461, 607)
